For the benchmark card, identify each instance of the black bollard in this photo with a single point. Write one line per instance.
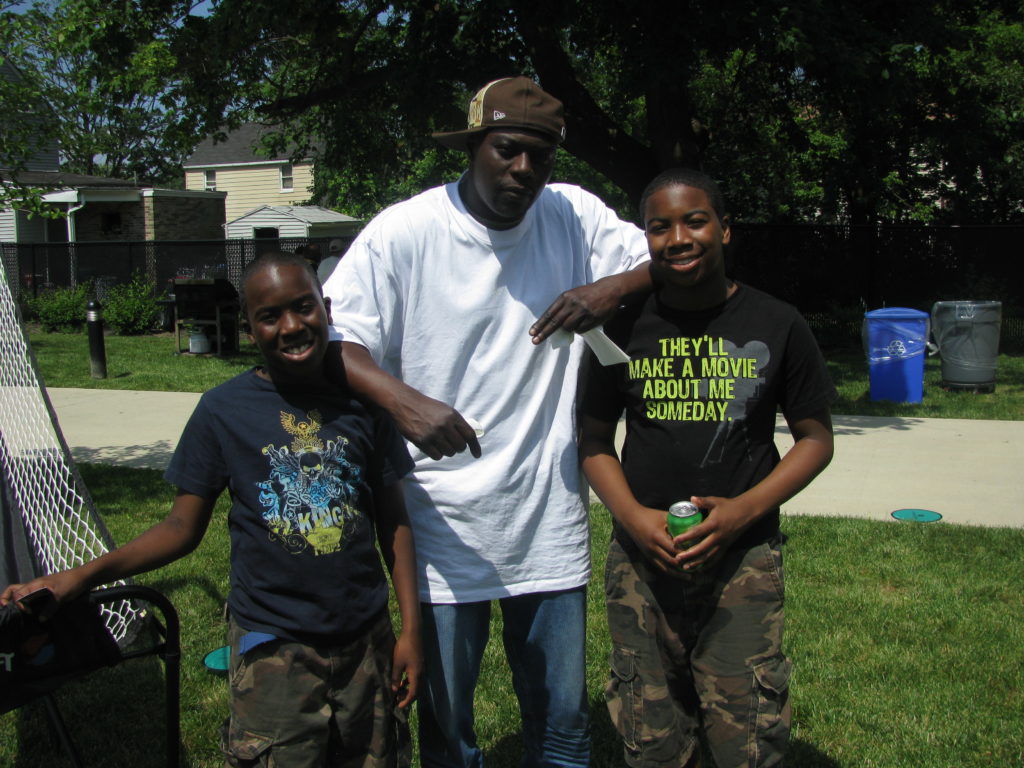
(97, 353)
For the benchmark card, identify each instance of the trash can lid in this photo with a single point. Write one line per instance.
(896, 313)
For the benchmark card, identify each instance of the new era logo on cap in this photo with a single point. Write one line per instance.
(498, 115)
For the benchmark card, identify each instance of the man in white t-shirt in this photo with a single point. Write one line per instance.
(436, 302)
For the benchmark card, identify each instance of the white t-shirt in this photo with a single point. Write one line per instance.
(445, 304)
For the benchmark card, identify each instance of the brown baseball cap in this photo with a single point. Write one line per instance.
(512, 102)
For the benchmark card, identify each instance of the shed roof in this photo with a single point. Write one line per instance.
(64, 180)
(311, 214)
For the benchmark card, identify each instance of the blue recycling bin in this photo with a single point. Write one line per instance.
(895, 340)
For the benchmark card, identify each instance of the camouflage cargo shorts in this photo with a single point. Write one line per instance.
(298, 705)
(702, 653)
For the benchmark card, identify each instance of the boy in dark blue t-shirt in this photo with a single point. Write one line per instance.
(313, 475)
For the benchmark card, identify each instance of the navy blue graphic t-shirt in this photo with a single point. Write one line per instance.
(302, 469)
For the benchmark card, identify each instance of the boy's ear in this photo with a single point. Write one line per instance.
(327, 306)
(726, 228)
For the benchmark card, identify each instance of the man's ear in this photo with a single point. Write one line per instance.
(327, 306)
(726, 229)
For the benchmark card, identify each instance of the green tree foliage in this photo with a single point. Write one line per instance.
(844, 110)
(96, 79)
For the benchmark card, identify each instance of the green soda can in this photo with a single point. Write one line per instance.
(682, 516)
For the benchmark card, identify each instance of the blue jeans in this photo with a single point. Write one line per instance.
(544, 637)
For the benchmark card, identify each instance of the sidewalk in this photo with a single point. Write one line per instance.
(967, 471)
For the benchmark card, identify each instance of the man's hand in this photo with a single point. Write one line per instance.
(434, 427)
(579, 309)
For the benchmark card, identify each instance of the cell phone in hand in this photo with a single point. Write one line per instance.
(40, 603)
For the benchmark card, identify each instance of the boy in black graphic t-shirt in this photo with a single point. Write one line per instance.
(696, 622)
(315, 671)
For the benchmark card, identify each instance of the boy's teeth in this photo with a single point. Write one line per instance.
(297, 348)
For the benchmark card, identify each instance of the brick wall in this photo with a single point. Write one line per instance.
(184, 218)
(110, 221)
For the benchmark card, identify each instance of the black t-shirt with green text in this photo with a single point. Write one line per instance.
(701, 392)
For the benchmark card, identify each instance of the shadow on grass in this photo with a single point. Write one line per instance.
(156, 455)
(106, 728)
(606, 747)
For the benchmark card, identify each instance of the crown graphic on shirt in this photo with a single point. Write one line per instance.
(304, 432)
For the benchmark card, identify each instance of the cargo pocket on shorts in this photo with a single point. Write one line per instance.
(241, 748)
(625, 697)
(769, 726)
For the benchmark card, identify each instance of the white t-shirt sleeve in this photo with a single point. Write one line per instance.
(363, 300)
(616, 246)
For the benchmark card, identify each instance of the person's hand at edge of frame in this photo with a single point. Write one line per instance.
(32, 598)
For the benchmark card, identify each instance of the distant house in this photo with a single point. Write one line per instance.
(249, 179)
(288, 222)
(97, 209)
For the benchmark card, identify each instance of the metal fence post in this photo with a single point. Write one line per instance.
(97, 353)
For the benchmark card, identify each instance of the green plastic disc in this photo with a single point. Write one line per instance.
(218, 660)
(916, 515)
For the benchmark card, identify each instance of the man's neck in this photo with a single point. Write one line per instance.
(474, 207)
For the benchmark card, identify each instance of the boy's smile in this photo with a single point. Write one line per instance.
(288, 320)
(686, 239)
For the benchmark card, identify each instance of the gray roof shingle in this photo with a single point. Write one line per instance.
(239, 147)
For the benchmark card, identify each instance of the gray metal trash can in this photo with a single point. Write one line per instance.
(967, 335)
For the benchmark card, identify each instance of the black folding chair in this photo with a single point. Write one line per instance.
(38, 657)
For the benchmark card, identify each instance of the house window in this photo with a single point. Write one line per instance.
(287, 177)
(110, 224)
(210, 181)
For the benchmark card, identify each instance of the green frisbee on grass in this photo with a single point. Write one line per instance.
(916, 515)
(218, 660)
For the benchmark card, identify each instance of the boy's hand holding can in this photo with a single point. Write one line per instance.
(682, 516)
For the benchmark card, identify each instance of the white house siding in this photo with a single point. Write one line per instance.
(31, 229)
(46, 159)
(8, 232)
(250, 186)
(286, 226)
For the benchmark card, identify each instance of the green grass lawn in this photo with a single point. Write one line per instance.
(906, 640)
(145, 363)
(149, 363)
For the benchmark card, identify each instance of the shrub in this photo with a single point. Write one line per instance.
(62, 309)
(131, 308)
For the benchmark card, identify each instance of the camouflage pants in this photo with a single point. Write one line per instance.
(299, 705)
(699, 653)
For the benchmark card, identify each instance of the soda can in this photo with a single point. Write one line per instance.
(682, 516)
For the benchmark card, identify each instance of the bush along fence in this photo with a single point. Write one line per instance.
(832, 273)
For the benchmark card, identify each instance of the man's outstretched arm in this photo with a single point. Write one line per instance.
(434, 427)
